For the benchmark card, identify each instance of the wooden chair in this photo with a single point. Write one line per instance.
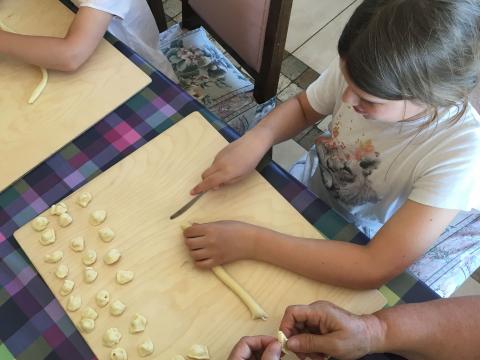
(252, 31)
(156, 7)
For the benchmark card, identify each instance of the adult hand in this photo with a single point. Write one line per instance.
(260, 347)
(322, 329)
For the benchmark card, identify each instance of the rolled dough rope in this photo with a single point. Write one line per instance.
(38, 90)
(255, 309)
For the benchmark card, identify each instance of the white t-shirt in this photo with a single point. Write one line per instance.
(134, 25)
(367, 169)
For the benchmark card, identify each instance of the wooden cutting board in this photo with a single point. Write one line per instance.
(71, 102)
(183, 305)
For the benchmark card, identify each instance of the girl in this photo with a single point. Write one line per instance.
(131, 21)
(403, 154)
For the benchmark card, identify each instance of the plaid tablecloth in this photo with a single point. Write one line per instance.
(32, 323)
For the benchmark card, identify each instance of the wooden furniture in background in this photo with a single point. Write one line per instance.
(252, 31)
(156, 7)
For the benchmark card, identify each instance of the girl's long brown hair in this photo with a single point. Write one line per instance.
(425, 51)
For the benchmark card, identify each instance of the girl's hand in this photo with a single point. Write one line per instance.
(260, 347)
(220, 242)
(322, 329)
(235, 161)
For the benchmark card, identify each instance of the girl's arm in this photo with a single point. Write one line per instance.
(240, 158)
(64, 54)
(404, 238)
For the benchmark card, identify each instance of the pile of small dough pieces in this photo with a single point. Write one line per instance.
(89, 315)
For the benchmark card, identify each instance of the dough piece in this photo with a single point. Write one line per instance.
(138, 324)
(112, 256)
(255, 309)
(87, 325)
(198, 351)
(58, 209)
(89, 257)
(89, 313)
(62, 271)
(97, 217)
(106, 234)
(74, 303)
(84, 199)
(53, 257)
(38, 90)
(178, 357)
(112, 337)
(47, 237)
(117, 308)
(65, 219)
(77, 244)
(89, 275)
(118, 354)
(282, 339)
(102, 298)
(145, 348)
(124, 276)
(67, 287)
(39, 223)
(40, 87)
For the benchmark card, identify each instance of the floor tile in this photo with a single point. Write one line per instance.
(326, 40)
(307, 77)
(293, 67)
(290, 91)
(286, 153)
(283, 82)
(309, 16)
(172, 7)
(178, 18)
(308, 140)
(476, 275)
(469, 287)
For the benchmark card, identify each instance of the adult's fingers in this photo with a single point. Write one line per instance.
(248, 345)
(273, 351)
(312, 344)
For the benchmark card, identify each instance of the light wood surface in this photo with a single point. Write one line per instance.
(183, 305)
(71, 102)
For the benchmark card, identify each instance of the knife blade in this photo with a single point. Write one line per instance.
(186, 206)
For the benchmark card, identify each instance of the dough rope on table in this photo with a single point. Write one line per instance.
(255, 309)
(43, 83)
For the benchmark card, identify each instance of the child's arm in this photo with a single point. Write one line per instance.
(404, 238)
(64, 54)
(240, 158)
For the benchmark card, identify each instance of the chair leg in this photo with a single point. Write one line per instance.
(156, 7)
(266, 87)
(190, 19)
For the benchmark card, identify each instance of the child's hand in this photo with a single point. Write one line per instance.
(220, 242)
(234, 162)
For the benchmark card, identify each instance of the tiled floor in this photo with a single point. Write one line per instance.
(313, 25)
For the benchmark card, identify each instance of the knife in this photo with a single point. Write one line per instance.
(186, 206)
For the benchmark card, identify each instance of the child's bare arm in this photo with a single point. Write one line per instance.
(408, 234)
(64, 54)
(240, 158)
